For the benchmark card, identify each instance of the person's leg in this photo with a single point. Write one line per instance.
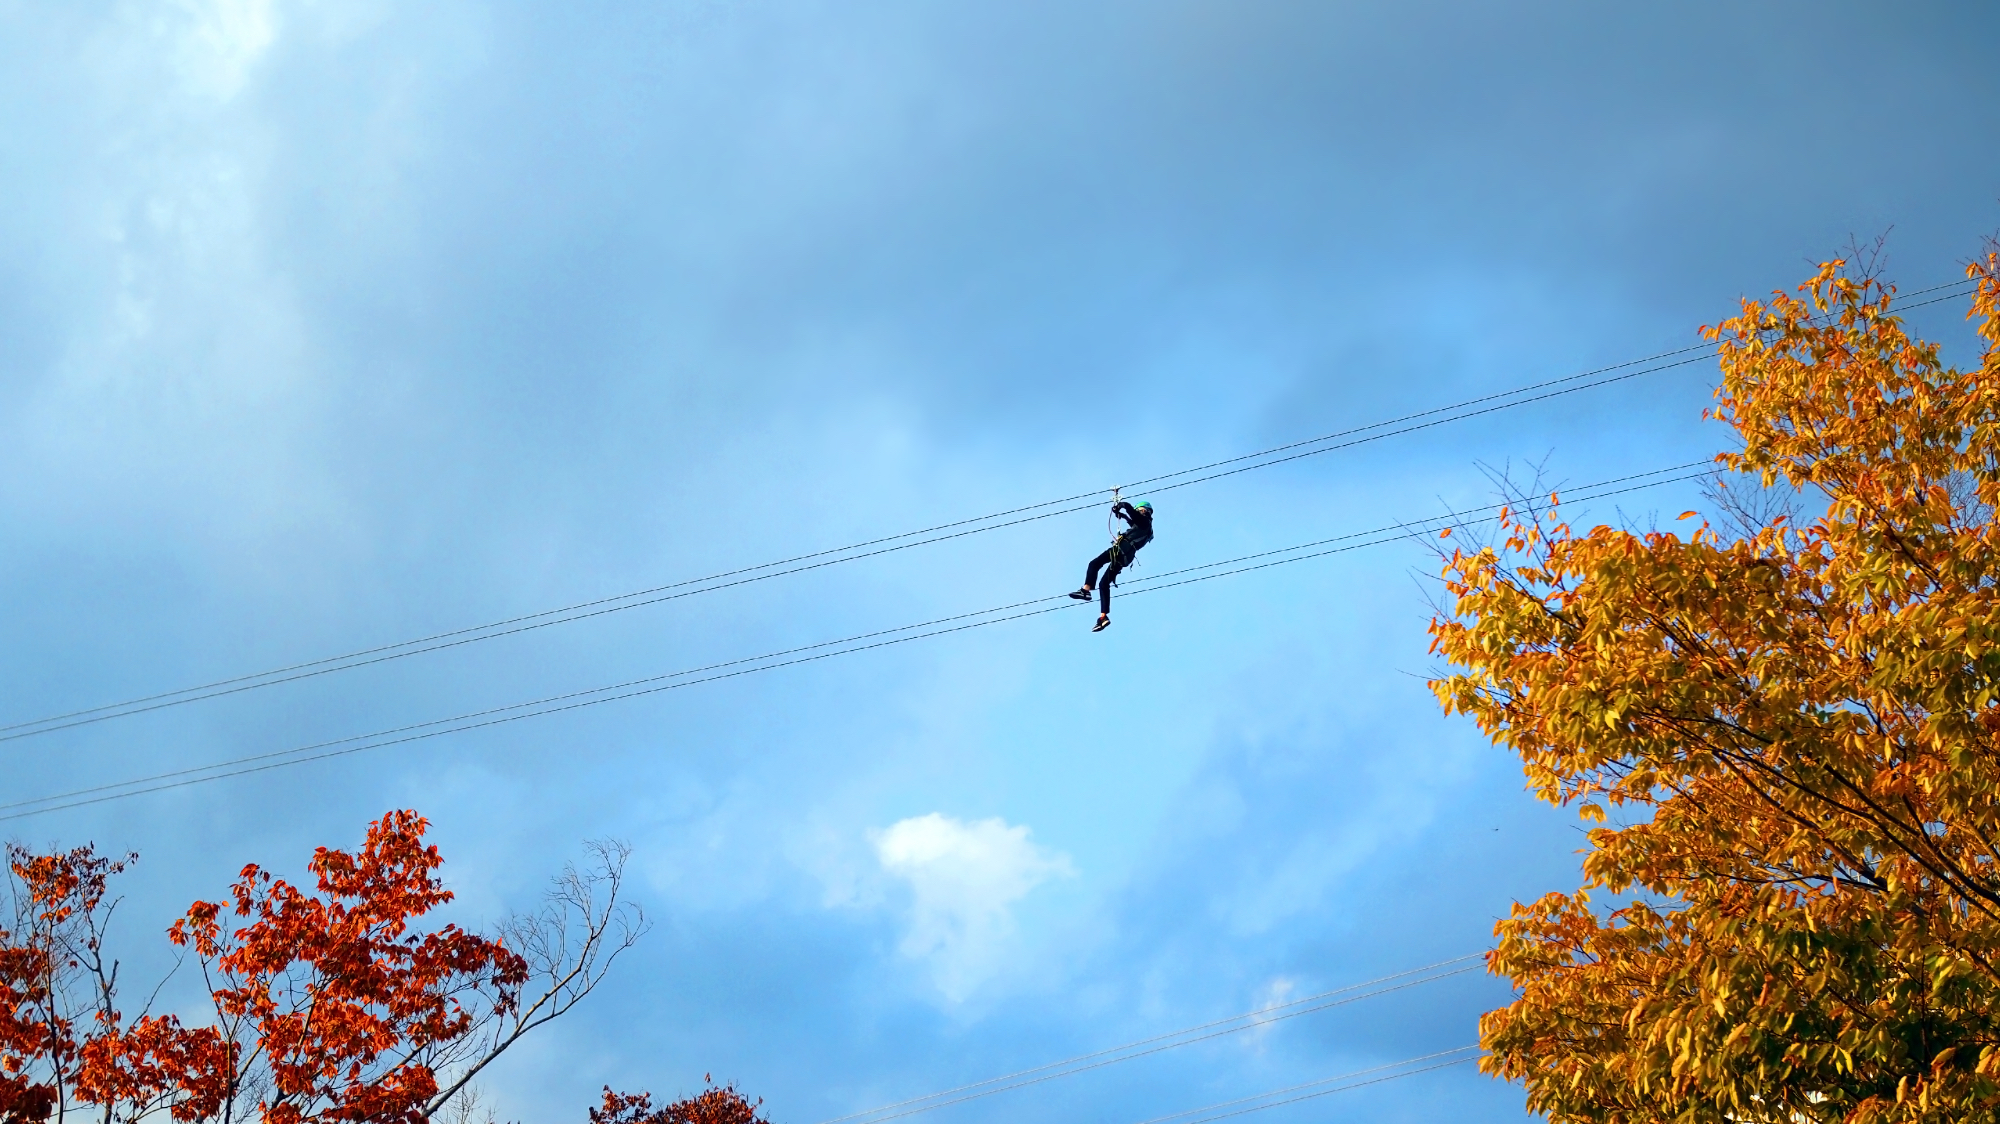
(1096, 564)
(1104, 587)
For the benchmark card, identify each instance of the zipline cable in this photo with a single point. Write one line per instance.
(805, 562)
(770, 661)
(1324, 1092)
(1261, 1012)
(854, 552)
(1330, 1004)
(1699, 347)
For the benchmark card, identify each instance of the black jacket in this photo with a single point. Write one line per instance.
(1139, 527)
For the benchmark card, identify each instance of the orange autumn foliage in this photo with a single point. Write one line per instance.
(713, 1105)
(27, 1031)
(343, 1000)
(55, 940)
(1789, 732)
(23, 1099)
(329, 1004)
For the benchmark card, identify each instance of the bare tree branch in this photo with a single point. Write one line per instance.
(569, 944)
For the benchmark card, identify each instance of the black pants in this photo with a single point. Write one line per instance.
(1111, 561)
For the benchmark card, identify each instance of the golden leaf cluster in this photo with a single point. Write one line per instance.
(1786, 725)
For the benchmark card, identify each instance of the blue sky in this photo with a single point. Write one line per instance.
(329, 324)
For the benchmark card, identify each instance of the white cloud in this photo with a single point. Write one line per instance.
(183, 382)
(1274, 994)
(220, 40)
(964, 879)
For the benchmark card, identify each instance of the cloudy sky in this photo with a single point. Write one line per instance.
(327, 324)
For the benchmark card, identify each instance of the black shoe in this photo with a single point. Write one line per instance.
(1103, 623)
(1083, 594)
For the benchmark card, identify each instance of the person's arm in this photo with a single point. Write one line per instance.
(1124, 511)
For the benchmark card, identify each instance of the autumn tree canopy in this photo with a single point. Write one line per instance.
(1787, 723)
(717, 1104)
(329, 1004)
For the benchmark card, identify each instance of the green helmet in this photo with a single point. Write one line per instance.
(1144, 506)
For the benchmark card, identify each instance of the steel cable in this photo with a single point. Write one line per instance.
(770, 661)
(1322, 1092)
(691, 587)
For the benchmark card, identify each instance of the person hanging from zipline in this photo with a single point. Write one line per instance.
(1138, 532)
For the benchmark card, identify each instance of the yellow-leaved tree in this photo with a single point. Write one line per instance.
(1787, 724)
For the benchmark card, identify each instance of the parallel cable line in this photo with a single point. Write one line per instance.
(766, 571)
(1312, 1085)
(1322, 1092)
(1071, 1072)
(942, 532)
(1699, 347)
(770, 661)
(1256, 1014)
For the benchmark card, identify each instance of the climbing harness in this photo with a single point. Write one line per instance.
(1122, 556)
